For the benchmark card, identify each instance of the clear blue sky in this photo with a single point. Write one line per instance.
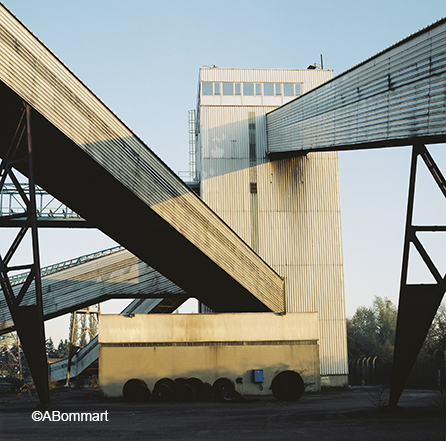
(142, 57)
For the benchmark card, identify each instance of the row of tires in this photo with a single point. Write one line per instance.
(286, 386)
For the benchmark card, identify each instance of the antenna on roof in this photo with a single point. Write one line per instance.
(316, 65)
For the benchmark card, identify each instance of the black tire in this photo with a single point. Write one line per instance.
(165, 390)
(136, 390)
(186, 393)
(180, 381)
(198, 386)
(287, 386)
(208, 392)
(222, 385)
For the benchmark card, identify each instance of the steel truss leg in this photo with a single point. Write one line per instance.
(418, 303)
(28, 319)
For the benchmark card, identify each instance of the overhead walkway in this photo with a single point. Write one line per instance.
(111, 274)
(87, 158)
(390, 99)
(395, 98)
(59, 135)
(50, 212)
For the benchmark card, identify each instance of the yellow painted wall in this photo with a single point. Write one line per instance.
(195, 354)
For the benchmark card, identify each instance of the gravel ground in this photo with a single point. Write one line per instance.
(346, 415)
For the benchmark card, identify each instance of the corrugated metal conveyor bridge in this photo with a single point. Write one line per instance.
(97, 277)
(77, 150)
(94, 278)
(81, 148)
(395, 98)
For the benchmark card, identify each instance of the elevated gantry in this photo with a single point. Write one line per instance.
(79, 147)
(394, 98)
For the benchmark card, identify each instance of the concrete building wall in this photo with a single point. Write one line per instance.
(151, 347)
(288, 210)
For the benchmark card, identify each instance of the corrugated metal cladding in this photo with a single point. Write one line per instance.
(298, 211)
(300, 236)
(81, 360)
(225, 162)
(309, 78)
(387, 100)
(37, 76)
(120, 275)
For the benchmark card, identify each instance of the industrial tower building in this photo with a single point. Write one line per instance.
(288, 209)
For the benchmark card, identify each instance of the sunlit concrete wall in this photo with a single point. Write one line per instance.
(207, 346)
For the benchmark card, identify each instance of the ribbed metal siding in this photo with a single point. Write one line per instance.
(38, 77)
(300, 236)
(120, 275)
(299, 218)
(390, 99)
(225, 162)
(308, 77)
(80, 361)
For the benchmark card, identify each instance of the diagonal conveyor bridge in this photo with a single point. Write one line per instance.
(87, 158)
(81, 148)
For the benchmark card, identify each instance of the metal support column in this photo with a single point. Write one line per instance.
(28, 320)
(418, 303)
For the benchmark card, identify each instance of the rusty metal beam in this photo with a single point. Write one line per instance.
(28, 320)
(418, 303)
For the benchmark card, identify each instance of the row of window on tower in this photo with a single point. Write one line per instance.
(251, 89)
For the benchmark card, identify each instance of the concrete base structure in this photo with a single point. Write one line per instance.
(208, 346)
(334, 382)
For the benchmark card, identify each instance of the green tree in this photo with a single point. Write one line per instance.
(431, 356)
(371, 331)
(63, 348)
(436, 337)
(50, 349)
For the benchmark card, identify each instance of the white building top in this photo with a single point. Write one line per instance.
(256, 87)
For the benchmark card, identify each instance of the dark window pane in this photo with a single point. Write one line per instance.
(258, 89)
(298, 89)
(216, 88)
(207, 89)
(248, 89)
(278, 89)
(228, 88)
(238, 90)
(288, 89)
(268, 89)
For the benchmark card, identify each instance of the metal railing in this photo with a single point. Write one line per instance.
(362, 371)
(20, 278)
(48, 207)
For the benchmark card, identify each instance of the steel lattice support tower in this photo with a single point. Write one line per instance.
(84, 328)
(9, 361)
